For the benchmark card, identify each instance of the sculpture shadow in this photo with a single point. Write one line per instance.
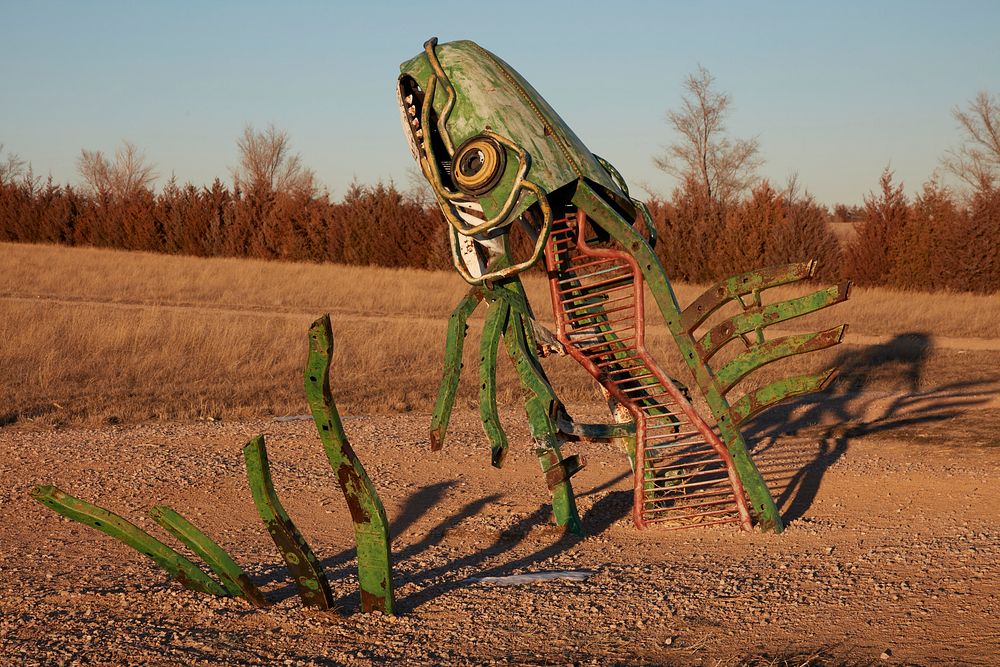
(877, 389)
(598, 518)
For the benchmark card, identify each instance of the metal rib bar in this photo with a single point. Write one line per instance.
(602, 321)
(672, 443)
(690, 506)
(604, 302)
(711, 493)
(763, 398)
(310, 581)
(692, 516)
(719, 294)
(626, 341)
(636, 378)
(761, 355)
(605, 292)
(621, 360)
(764, 316)
(604, 312)
(659, 426)
(579, 277)
(688, 476)
(607, 341)
(700, 524)
(180, 568)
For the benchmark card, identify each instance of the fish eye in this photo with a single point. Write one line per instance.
(480, 163)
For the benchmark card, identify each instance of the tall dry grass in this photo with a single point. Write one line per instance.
(104, 335)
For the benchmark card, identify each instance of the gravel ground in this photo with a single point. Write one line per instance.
(890, 556)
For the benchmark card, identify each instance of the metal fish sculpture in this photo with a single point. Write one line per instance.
(497, 156)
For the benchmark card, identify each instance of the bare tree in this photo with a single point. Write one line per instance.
(10, 167)
(977, 160)
(722, 167)
(268, 165)
(127, 175)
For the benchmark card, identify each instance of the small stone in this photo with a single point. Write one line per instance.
(886, 654)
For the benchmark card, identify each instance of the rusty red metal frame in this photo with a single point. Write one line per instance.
(637, 345)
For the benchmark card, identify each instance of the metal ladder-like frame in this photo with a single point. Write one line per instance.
(683, 474)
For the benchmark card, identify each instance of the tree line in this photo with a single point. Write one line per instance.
(721, 219)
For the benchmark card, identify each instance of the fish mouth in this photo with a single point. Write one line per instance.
(411, 99)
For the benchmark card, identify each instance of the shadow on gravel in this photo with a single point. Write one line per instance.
(876, 390)
(601, 515)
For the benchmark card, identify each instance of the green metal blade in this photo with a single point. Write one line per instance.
(496, 323)
(236, 582)
(311, 582)
(753, 403)
(770, 351)
(457, 328)
(764, 316)
(109, 523)
(541, 406)
(371, 529)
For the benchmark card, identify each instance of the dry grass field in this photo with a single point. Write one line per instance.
(95, 336)
(111, 362)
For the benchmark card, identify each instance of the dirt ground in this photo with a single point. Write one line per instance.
(890, 555)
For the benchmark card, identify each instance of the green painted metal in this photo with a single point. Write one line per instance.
(310, 581)
(493, 329)
(109, 523)
(454, 344)
(754, 402)
(486, 92)
(756, 318)
(595, 431)
(233, 578)
(541, 405)
(762, 354)
(740, 285)
(371, 528)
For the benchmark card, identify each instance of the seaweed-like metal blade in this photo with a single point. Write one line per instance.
(109, 523)
(232, 576)
(457, 328)
(371, 528)
(496, 324)
(311, 582)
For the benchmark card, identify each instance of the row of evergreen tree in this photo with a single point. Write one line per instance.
(935, 241)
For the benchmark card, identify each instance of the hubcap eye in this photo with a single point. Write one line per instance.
(481, 161)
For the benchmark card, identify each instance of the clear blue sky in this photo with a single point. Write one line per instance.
(833, 90)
